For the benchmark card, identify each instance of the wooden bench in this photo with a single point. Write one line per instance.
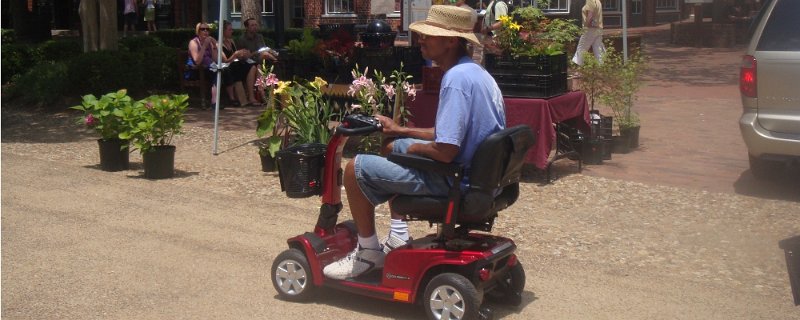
(199, 81)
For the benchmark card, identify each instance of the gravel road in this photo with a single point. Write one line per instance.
(81, 243)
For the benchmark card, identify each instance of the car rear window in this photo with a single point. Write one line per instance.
(782, 31)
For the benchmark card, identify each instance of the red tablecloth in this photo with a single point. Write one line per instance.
(539, 114)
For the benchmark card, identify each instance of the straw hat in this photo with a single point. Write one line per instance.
(447, 21)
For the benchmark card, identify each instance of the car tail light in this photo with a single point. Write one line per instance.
(747, 77)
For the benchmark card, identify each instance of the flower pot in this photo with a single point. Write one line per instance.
(621, 144)
(112, 156)
(159, 163)
(592, 151)
(268, 163)
(633, 136)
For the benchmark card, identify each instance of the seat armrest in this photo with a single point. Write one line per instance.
(425, 164)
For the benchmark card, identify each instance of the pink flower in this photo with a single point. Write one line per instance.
(412, 91)
(389, 90)
(90, 120)
(271, 80)
(149, 105)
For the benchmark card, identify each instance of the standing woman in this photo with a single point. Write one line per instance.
(129, 16)
(203, 50)
(592, 32)
(150, 14)
(239, 70)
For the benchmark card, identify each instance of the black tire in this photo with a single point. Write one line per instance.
(291, 276)
(762, 169)
(451, 296)
(509, 292)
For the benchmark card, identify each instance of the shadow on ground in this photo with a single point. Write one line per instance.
(783, 186)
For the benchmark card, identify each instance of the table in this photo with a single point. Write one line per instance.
(539, 114)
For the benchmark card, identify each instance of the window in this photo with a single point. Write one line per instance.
(781, 32)
(636, 7)
(266, 7)
(556, 6)
(666, 5)
(612, 6)
(339, 6)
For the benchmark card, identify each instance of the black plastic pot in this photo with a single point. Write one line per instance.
(621, 144)
(112, 156)
(592, 151)
(268, 163)
(791, 248)
(159, 162)
(633, 136)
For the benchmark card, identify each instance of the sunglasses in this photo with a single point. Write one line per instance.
(204, 29)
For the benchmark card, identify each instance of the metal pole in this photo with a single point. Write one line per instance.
(625, 31)
(220, 26)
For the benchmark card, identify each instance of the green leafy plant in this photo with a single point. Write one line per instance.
(528, 33)
(303, 49)
(106, 115)
(308, 113)
(154, 121)
(622, 81)
(268, 120)
(614, 82)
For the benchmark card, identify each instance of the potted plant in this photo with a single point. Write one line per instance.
(301, 58)
(308, 115)
(380, 95)
(267, 121)
(106, 116)
(153, 123)
(621, 81)
(527, 57)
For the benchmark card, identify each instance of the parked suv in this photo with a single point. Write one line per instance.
(769, 83)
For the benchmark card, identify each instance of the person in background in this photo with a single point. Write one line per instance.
(463, 4)
(129, 17)
(252, 41)
(471, 108)
(203, 50)
(592, 36)
(240, 76)
(491, 20)
(150, 14)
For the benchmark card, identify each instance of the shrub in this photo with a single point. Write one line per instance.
(8, 36)
(43, 84)
(17, 59)
(134, 44)
(105, 71)
(175, 38)
(158, 66)
(59, 50)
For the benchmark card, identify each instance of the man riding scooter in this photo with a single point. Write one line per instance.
(470, 109)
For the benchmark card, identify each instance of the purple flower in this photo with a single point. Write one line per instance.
(90, 120)
(149, 105)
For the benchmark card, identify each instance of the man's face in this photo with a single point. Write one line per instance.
(252, 26)
(433, 47)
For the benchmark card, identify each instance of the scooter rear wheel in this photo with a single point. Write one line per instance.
(451, 296)
(291, 276)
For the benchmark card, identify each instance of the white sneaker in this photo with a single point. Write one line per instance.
(355, 263)
(391, 242)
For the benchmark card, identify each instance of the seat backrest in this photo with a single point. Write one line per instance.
(495, 173)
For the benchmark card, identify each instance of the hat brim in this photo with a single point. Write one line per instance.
(431, 30)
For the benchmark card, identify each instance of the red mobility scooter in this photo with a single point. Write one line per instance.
(450, 272)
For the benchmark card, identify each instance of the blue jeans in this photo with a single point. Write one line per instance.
(381, 179)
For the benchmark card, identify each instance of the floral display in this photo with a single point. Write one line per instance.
(528, 33)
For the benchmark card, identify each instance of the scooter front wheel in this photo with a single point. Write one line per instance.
(291, 276)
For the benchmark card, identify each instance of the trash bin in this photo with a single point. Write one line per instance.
(791, 247)
(300, 169)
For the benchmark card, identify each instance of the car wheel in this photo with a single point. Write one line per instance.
(291, 276)
(451, 296)
(762, 169)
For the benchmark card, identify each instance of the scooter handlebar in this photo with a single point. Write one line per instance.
(358, 124)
